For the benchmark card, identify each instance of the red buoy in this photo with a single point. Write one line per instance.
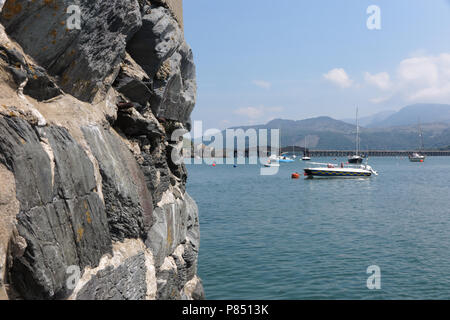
(295, 175)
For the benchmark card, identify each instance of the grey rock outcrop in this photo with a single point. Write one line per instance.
(133, 82)
(126, 196)
(92, 204)
(160, 49)
(61, 218)
(126, 282)
(82, 59)
(37, 83)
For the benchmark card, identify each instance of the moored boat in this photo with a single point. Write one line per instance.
(270, 164)
(356, 158)
(416, 157)
(285, 159)
(306, 156)
(329, 170)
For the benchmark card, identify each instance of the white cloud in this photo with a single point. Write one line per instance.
(425, 78)
(262, 84)
(254, 113)
(380, 80)
(420, 70)
(339, 77)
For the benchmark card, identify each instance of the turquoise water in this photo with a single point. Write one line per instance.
(271, 237)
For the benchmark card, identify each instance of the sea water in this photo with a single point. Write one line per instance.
(273, 237)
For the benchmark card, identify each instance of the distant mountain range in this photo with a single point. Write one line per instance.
(373, 120)
(384, 131)
(408, 116)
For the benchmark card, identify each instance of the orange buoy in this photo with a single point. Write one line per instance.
(295, 175)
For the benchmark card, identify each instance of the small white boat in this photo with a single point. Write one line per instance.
(306, 158)
(271, 163)
(329, 170)
(278, 159)
(284, 159)
(416, 157)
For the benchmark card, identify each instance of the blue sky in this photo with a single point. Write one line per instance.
(293, 59)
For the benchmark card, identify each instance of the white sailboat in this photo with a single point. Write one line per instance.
(356, 158)
(306, 153)
(418, 156)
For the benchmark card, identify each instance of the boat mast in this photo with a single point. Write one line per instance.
(306, 152)
(421, 137)
(357, 133)
(279, 142)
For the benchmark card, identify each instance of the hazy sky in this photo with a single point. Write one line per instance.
(293, 59)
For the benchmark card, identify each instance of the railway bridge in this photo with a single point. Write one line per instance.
(377, 153)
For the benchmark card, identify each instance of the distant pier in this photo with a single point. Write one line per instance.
(265, 152)
(377, 153)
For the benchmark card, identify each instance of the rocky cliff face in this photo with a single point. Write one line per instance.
(88, 186)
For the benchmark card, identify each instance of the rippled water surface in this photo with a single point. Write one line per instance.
(271, 237)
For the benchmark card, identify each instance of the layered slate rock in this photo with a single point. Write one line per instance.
(134, 124)
(153, 162)
(176, 271)
(175, 87)
(127, 199)
(61, 218)
(90, 181)
(157, 40)
(71, 165)
(82, 59)
(159, 48)
(9, 208)
(126, 282)
(22, 153)
(35, 80)
(133, 82)
(174, 223)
